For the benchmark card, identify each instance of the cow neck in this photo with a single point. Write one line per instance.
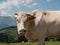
(31, 26)
(31, 35)
(31, 30)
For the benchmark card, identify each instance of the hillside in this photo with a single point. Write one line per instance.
(6, 21)
(10, 34)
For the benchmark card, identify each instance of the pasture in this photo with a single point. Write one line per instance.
(33, 43)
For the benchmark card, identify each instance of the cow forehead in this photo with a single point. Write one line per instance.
(21, 13)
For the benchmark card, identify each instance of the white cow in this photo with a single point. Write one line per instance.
(38, 24)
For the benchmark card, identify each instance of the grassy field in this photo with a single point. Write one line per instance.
(33, 43)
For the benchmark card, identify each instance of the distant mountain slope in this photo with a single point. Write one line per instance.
(10, 34)
(6, 21)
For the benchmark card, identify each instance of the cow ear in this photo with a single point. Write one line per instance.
(36, 12)
(15, 15)
(44, 13)
(30, 17)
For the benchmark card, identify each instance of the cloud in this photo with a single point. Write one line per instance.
(28, 1)
(31, 5)
(6, 6)
(4, 12)
(10, 3)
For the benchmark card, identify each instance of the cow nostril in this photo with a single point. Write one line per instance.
(20, 31)
(24, 30)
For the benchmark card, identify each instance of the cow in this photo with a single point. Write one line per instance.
(38, 25)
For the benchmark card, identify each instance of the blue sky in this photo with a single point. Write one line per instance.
(8, 7)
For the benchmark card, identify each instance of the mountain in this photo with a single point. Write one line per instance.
(7, 21)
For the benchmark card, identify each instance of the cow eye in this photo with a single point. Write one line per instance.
(18, 21)
(15, 13)
(27, 20)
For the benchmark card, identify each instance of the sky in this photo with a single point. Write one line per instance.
(8, 7)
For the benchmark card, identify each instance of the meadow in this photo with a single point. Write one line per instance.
(33, 43)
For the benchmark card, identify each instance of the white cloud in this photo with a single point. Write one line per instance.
(8, 4)
(3, 13)
(27, 1)
(31, 5)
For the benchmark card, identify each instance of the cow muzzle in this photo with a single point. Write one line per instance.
(22, 31)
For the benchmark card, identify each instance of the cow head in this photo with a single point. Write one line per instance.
(23, 21)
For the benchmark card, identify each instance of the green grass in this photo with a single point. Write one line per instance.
(52, 43)
(33, 43)
(19, 43)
